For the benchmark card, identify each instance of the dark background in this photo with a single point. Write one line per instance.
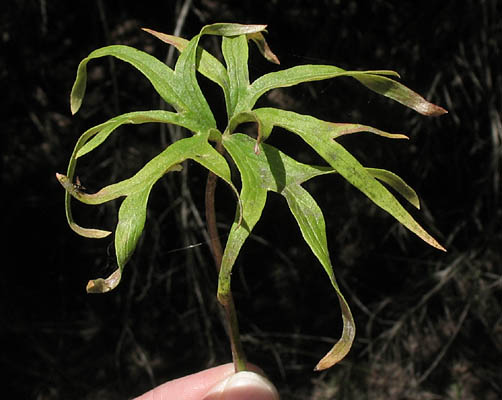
(429, 324)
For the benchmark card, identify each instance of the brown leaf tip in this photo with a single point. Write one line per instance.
(431, 110)
(101, 285)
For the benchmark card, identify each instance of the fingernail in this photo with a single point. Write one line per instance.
(245, 385)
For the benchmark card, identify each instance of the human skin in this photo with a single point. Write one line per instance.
(216, 383)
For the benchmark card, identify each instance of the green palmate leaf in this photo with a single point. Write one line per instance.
(272, 170)
(262, 168)
(344, 163)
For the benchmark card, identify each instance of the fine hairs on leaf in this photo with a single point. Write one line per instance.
(262, 167)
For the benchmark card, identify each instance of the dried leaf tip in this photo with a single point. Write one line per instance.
(263, 47)
(101, 285)
(73, 108)
(431, 110)
(169, 39)
(63, 179)
(433, 242)
(65, 182)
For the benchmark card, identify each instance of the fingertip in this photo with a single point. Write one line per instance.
(190, 387)
(245, 385)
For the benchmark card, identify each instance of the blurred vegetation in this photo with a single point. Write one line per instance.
(430, 324)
